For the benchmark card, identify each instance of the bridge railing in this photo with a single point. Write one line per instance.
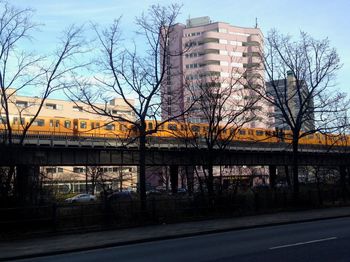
(59, 139)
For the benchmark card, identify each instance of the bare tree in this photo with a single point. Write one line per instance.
(21, 70)
(122, 72)
(224, 106)
(300, 78)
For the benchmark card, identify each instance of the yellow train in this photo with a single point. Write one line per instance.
(98, 128)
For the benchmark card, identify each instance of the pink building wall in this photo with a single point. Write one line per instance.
(218, 48)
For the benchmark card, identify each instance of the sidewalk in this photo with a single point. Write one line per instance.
(79, 242)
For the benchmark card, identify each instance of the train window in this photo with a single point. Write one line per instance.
(268, 133)
(51, 123)
(92, 125)
(83, 124)
(195, 128)
(97, 125)
(182, 127)
(57, 123)
(250, 132)
(242, 132)
(224, 131)
(259, 132)
(122, 127)
(150, 126)
(39, 122)
(59, 170)
(67, 124)
(172, 127)
(16, 120)
(3, 120)
(110, 127)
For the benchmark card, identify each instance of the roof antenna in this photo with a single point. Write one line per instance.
(256, 22)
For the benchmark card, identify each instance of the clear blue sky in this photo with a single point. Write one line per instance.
(320, 18)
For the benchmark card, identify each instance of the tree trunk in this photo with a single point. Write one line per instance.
(272, 173)
(295, 170)
(120, 178)
(210, 183)
(27, 179)
(190, 178)
(142, 169)
(286, 171)
(174, 178)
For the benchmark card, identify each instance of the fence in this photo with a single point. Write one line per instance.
(101, 215)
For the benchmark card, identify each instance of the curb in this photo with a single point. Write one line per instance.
(167, 237)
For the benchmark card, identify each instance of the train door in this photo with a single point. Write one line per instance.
(75, 127)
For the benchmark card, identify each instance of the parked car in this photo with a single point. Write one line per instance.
(122, 195)
(153, 192)
(81, 198)
(181, 190)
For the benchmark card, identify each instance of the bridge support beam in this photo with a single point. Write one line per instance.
(342, 172)
(188, 174)
(272, 175)
(174, 178)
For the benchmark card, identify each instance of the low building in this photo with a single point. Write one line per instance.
(73, 179)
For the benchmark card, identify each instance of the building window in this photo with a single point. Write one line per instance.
(21, 103)
(77, 108)
(51, 170)
(235, 43)
(51, 106)
(78, 169)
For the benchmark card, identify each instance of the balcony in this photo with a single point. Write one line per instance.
(251, 43)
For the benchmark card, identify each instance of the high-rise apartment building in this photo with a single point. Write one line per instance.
(287, 96)
(203, 50)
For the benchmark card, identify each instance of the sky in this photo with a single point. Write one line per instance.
(319, 18)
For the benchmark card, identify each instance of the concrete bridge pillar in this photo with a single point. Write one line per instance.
(342, 172)
(272, 175)
(189, 173)
(27, 184)
(174, 178)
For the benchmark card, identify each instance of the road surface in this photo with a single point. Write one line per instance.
(326, 240)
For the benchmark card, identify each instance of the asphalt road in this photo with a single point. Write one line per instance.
(326, 240)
